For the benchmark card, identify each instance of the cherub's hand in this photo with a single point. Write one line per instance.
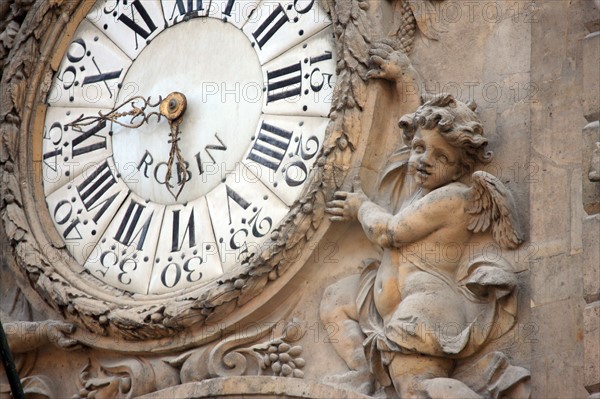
(389, 63)
(345, 205)
(58, 333)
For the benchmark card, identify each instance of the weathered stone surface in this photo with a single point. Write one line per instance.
(591, 344)
(557, 327)
(591, 259)
(564, 375)
(548, 194)
(591, 189)
(555, 278)
(591, 60)
(260, 387)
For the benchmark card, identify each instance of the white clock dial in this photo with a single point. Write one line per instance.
(284, 152)
(68, 152)
(244, 212)
(131, 25)
(91, 72)
(176, 11)
(124, 255)
(187, 253)
(282, 24)
(201, 59)
(82, 209)
(300, 81)
(256, 78)
(236, 12)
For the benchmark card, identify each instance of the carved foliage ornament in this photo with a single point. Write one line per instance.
(39, 62)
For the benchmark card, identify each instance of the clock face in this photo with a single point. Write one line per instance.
(258, 78)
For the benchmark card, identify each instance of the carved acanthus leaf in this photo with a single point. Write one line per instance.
(238, 354)
(124, 378)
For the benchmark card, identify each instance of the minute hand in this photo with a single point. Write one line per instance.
(173, 107)
(139, 105)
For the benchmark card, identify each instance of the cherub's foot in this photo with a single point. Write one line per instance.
(354, 380)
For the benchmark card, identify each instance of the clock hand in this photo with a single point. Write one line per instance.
(173, 108)
(116, 113)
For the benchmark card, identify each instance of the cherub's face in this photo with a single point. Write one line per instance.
(433, 162)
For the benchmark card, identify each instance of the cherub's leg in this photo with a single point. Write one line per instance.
(420, 376)
(338, 308)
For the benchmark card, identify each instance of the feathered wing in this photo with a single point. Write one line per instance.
(492, 206)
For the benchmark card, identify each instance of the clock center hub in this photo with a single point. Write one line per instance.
(216, 67)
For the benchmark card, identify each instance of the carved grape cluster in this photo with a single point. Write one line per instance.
(284, 360)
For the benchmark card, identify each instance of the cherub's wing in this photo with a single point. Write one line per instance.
(492, 205)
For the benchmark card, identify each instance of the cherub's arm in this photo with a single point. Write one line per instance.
(411, 224)
(436, 210)
(395, 66)
(374, 220)
(347, 206)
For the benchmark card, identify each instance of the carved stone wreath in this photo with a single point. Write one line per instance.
(109, 312)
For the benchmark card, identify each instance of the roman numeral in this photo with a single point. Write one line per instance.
(285, 82)
(126, 233)
(131, 24)
(94, 187)
(229, 7)
(86, 136)
(185, 7)
(52, 154)
(271, 146)
(102, 77)
(324, 57)
(238, 200)
(270, 26)
(189, 228)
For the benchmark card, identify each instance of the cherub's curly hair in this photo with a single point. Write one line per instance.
(457, 123)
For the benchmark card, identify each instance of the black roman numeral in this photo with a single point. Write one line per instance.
(229, 7)
(53, 154)
(190, 229)
(185, 7)
(131, 24)
(94, 187)
(271, 146)
(270, 26)
(323, 57)
(102, 77)
(79, 140)
(126, 233)
(238, 200)
(285, 82)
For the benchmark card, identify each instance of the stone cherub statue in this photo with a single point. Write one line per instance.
(419, 320)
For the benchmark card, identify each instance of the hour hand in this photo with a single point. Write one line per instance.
(173, 107)
(132, 113)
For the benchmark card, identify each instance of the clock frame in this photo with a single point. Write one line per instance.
(48, 270)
